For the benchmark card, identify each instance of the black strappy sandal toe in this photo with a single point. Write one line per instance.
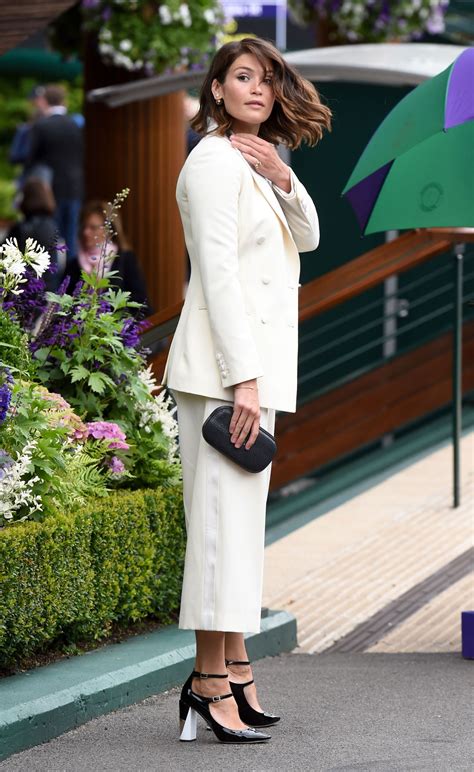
(248, 714)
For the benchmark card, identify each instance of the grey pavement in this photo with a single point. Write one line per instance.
(340, 712)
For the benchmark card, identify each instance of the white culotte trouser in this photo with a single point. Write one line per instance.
(225, 510)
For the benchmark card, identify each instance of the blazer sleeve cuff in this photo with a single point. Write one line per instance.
(282, 193)
(234, 373)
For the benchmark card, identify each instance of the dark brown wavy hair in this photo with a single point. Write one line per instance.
(298, 114)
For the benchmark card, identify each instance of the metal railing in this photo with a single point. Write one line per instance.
(346, 311)
(323, 337)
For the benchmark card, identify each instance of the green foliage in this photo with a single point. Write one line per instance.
(100, 375)
(357, 21)
(65, 475)
(67, 579)
(152, 35)
(14, 351)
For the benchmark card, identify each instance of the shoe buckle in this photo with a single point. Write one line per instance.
(203, 675)
(216, 699)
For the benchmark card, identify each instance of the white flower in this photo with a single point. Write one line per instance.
(125, 45)
(209, 16)
(36, 256)
(165, 14)
(435, 23)
(185, 15)
(159, 409)
(13, 260)
(105, 34)
(148, 379)
(17, 487)
(105, 48)
(12, 267)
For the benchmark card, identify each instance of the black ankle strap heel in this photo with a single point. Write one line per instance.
(192, 704)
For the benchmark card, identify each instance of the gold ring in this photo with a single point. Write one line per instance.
(257, 165)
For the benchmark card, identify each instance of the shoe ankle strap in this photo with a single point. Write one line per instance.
(236, 662)
(195, 674)
(216, 698)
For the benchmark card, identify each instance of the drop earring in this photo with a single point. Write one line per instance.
(219, 102)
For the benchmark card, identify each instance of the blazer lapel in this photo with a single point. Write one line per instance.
(268, 193)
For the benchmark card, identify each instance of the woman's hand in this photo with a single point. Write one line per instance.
(262, 155)
(245, 420)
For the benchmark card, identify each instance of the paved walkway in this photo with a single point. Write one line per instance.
(387, 572)
(341, 713)
(398, 540)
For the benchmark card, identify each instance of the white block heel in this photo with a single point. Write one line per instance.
(189, 730)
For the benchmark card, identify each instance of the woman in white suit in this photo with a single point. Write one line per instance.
(245, 217)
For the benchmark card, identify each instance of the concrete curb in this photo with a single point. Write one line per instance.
(47, 701)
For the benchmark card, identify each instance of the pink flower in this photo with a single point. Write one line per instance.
(119, 445)
(80, 434)
(107, 430)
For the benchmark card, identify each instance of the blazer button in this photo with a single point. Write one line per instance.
(260, 239)
(266, 279)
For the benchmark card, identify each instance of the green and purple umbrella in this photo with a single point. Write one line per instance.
(418, 169)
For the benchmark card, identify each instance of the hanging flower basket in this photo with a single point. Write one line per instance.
(372, 21)
(153, 37)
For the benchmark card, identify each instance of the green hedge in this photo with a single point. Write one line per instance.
(70, 577)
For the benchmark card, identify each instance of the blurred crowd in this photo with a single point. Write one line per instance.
(49, 149)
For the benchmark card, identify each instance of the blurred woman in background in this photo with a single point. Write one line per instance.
(98, 253)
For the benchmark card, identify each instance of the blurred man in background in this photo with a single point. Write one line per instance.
(56, 155)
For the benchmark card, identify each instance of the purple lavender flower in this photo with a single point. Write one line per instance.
(63, 286)
(6, 380)
(78, 289)
(130, 333)
(30, 303)
(5, 399)
(116, 466)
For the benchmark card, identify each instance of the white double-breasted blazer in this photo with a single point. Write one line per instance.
(240, 316)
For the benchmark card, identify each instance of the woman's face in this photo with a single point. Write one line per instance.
(92, 234)
(247, 92)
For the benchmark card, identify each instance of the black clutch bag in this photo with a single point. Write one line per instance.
(215, 431)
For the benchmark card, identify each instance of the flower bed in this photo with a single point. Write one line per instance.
(373, 21)
(70, 577)
(155, 35)
(80, 423)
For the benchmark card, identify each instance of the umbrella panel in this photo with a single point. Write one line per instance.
(419, 115)
(429, 186)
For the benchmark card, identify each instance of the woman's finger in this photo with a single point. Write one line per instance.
(241, 422)
(245, 431)
(235, 417)
(253, 434)
(251, 141)
(258, 165)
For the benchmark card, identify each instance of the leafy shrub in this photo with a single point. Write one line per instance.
(14, 352)
(67, 579)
